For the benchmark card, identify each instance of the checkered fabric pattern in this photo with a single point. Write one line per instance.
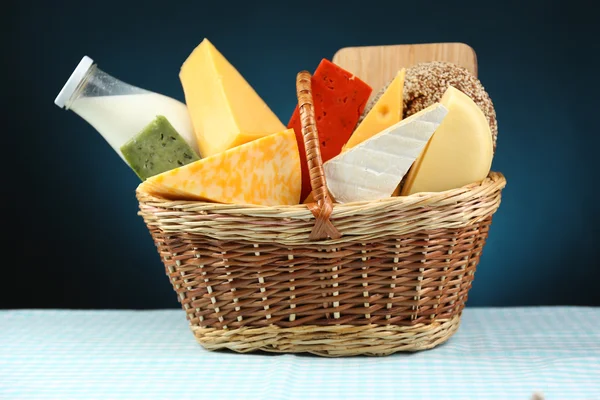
(497, 353)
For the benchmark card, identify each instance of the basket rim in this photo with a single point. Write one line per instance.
(494, 181)
(293, 225)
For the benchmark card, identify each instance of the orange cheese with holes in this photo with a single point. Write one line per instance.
(265, 172)
(386, 112)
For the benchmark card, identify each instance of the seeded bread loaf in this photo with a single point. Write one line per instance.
(425, 83)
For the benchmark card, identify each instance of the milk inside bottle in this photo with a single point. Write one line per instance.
(118, 110)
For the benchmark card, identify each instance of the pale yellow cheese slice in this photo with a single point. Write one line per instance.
(265, 171)
(460, 151)
(386, 112)
(225, 110)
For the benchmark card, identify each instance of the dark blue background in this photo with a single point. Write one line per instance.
(69, 208)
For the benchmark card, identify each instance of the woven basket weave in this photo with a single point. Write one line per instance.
(368, 278)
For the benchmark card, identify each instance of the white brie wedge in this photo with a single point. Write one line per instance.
(374, 168)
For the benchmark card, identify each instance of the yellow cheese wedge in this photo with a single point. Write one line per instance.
(460, 151)
(265, 171)
(225, 110)
(385, 113)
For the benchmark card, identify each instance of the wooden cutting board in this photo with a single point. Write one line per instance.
(377, 65)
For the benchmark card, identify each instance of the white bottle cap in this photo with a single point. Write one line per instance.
(76, 77)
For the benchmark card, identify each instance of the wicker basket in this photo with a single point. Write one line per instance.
(368, 278)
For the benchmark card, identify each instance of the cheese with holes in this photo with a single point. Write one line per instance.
(339, 98)
(386, 112)
(459, 153)
(265, 172)
(372, 169)
(225, 110)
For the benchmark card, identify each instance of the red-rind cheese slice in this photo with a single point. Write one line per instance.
(339, 98)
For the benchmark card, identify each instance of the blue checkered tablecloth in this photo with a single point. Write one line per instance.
(497, 353)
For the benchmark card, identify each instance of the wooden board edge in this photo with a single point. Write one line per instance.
(467, 47)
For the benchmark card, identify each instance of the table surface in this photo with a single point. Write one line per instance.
(497, 353)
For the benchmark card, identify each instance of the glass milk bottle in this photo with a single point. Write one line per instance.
(117, 110)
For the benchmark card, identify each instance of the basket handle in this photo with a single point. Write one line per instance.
(323, 207)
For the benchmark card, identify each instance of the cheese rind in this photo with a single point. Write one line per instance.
(373, 169)
(459, 153)
(265, 171)
(225, 110)
(339, 99)
(386, 112)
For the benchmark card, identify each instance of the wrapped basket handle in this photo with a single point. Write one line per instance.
(323, 206)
